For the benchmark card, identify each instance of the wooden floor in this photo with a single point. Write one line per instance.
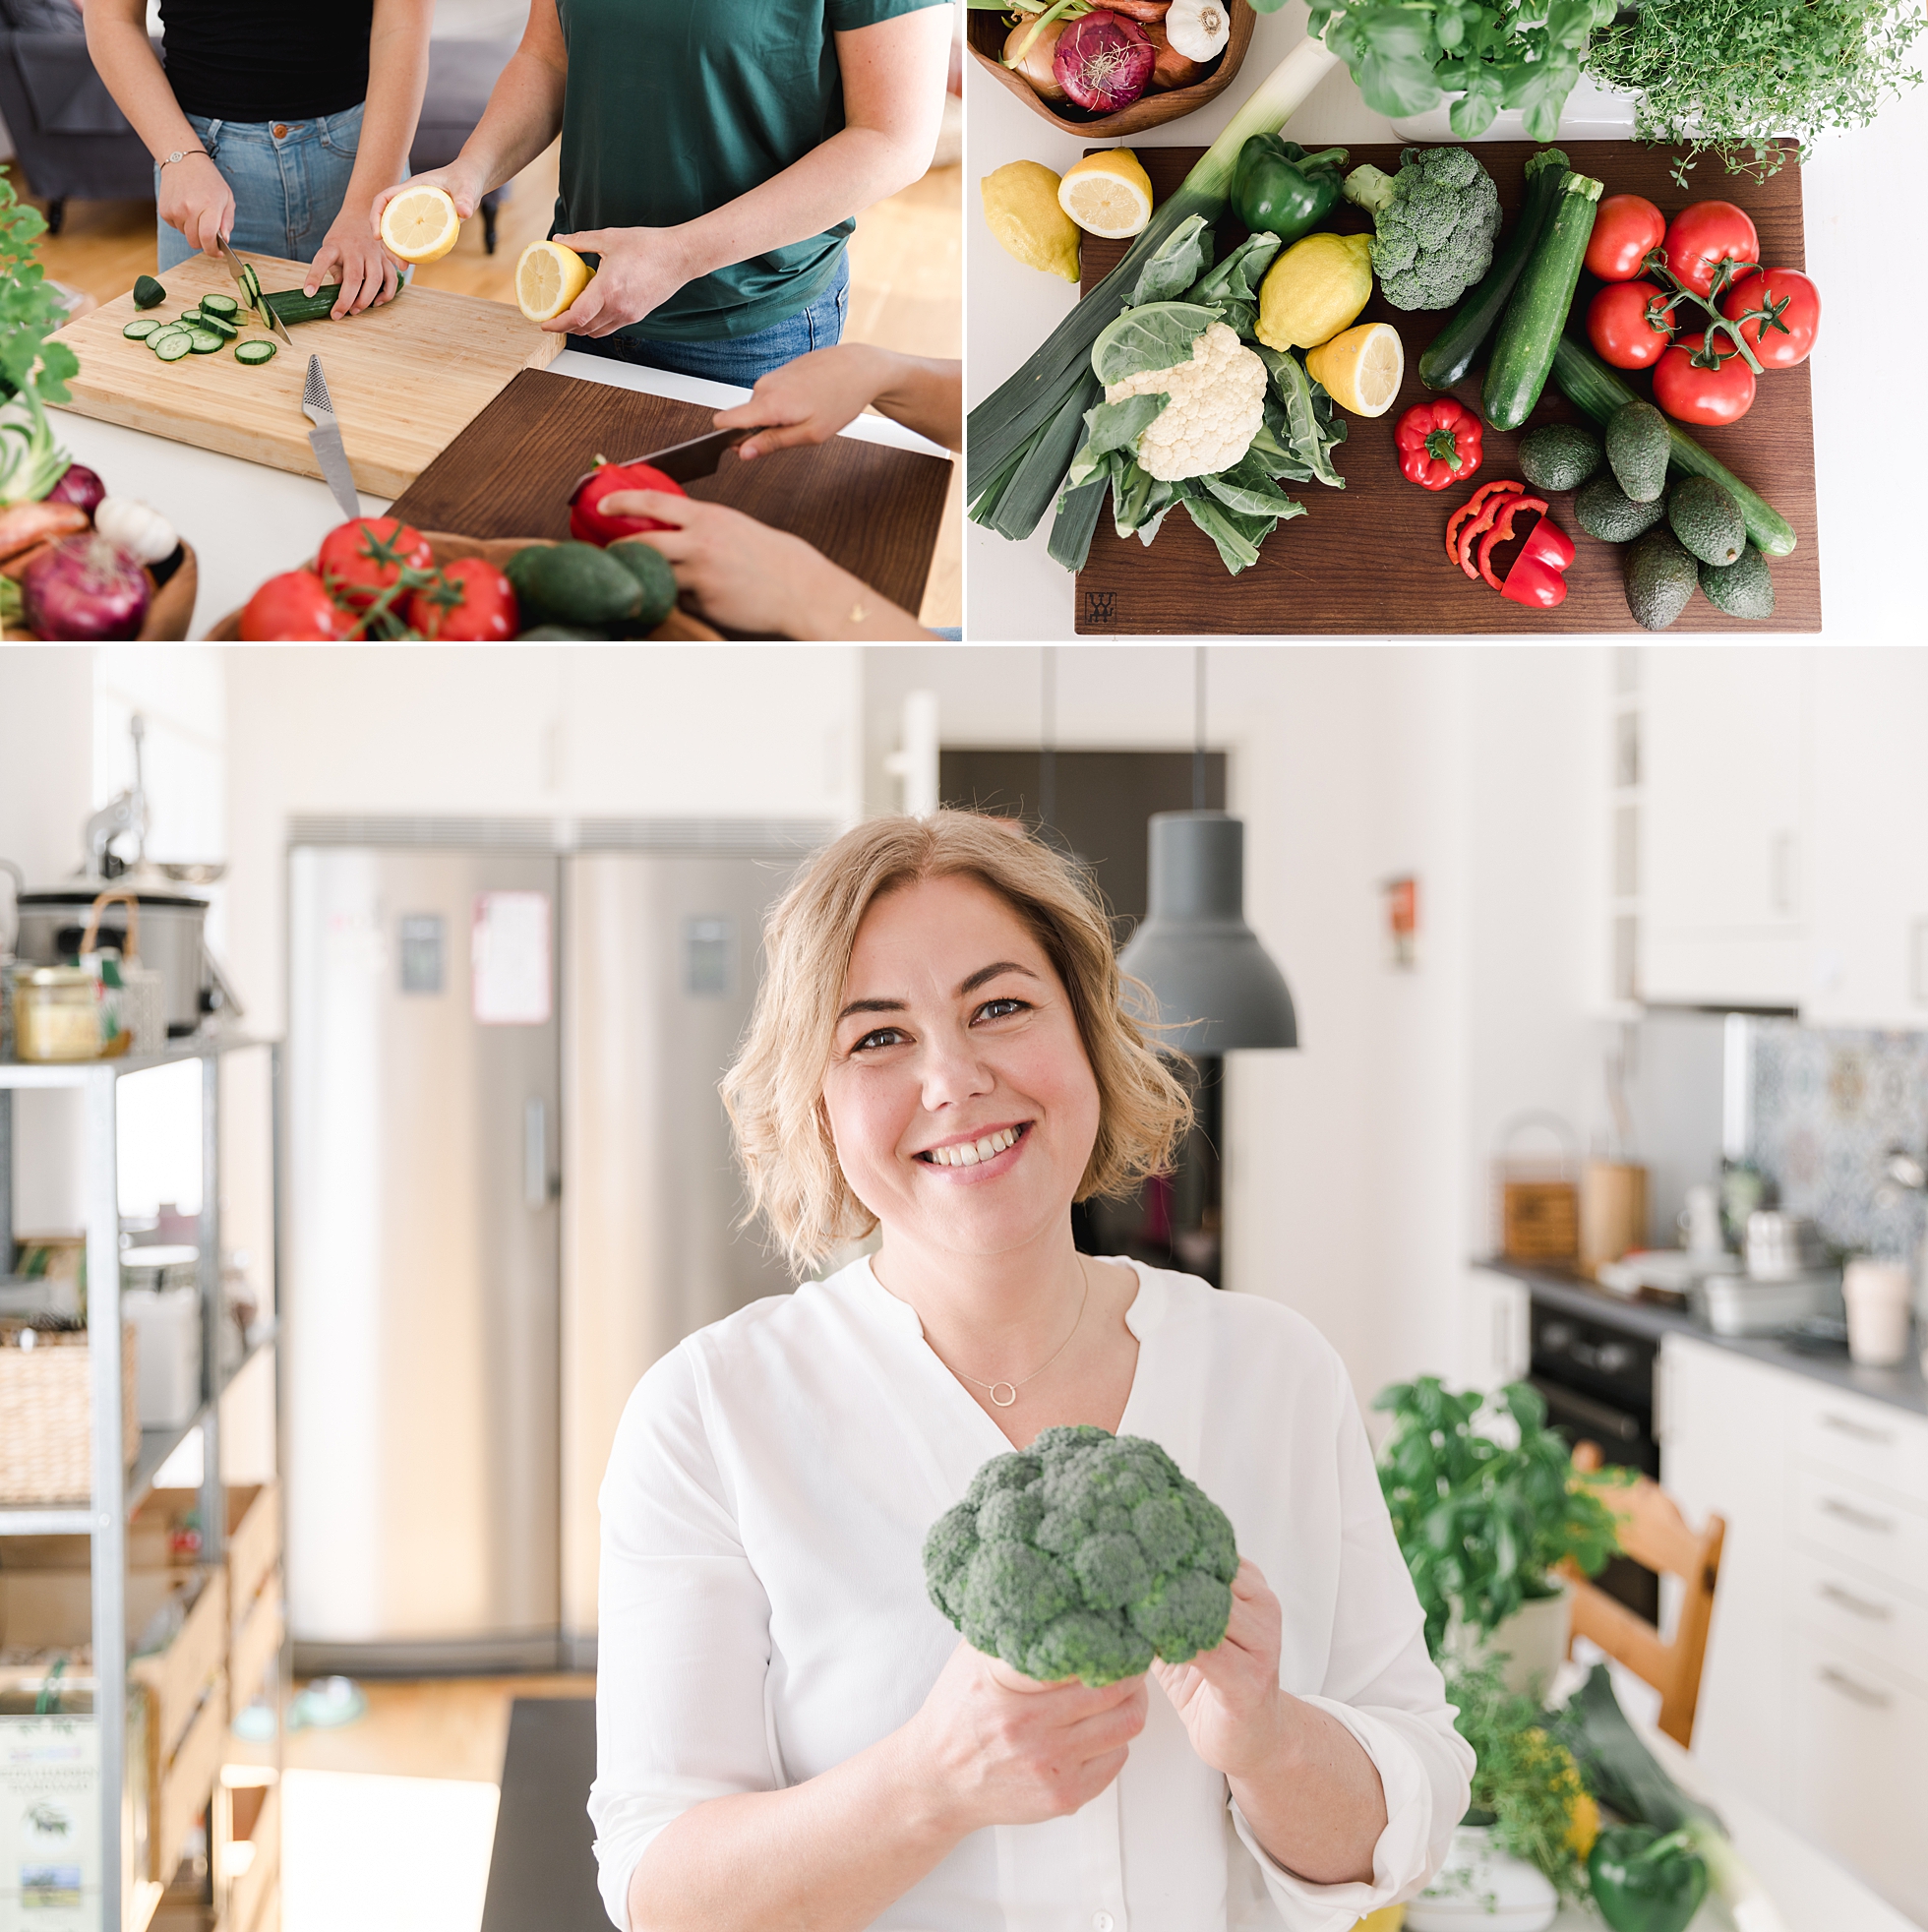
(906, 267)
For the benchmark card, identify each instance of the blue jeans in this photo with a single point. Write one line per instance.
(288, 187)
(739, 359)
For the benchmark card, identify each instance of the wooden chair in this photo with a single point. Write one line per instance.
(1653, 1532)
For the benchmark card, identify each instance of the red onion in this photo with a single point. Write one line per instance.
(1104, 61)
(85, 590)
(79, 485)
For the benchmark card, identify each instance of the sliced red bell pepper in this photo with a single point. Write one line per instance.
(1501, 532)
(1537, 578)
(1438, 443)
(1482, 521)
(1471, 509)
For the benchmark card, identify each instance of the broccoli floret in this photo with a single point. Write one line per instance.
(1434, 224)
(1084, 1556)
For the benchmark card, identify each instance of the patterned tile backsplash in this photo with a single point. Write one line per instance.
(1825, 1109)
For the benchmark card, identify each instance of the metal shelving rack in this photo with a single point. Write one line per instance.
(119, 1491)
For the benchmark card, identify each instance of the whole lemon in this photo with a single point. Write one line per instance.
(1314, 289)
(1020, 205)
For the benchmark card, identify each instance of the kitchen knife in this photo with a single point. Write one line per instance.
(248, 292)
(682, 462)
(325, 439)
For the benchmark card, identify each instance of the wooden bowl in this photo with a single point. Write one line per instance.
(170, 611)
(450, 549)
(988, 32)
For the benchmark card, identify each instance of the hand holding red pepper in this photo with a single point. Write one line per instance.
(1438, 443)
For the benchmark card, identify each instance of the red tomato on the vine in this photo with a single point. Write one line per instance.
(362, 558)
(1618, 327)
(1625, 227)
(1702, 236)
(1798, 302)
(294, 607)
(1689, 393)
(478, 604)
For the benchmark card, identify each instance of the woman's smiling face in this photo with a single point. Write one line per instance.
(961, 1096)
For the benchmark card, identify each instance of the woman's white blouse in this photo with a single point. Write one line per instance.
(763, 1614)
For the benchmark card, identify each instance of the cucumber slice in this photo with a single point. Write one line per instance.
(220, 305)
(256, 349)
(189, 316)
(140, 331)
(173, 348)
(220, 325)
(205, 341)
(162, 335)
(252, 283)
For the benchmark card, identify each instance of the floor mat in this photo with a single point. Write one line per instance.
(542, 1877)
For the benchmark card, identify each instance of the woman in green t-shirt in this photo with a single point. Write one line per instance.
(715, 154)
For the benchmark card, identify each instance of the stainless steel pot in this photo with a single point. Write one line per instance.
(171, 944)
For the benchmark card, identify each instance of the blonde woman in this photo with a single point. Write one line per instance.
(790, 1734)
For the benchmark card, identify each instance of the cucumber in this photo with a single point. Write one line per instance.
(220, 325)
(205, 341)
(295, 305)
(1450, 354)
(250, 282)
(257, 348)
(138, 331)
(1529, 330)
(147, 293)
(219, 305)
(173, 348)
(1592, 386)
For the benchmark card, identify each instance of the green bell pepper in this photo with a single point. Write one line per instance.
(1280, 188)
(1643, 1882)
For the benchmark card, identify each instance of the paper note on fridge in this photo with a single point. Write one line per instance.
(509, 959)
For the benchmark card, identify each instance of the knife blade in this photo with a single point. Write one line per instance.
(682, 462)
(325, 439)
(261, 308)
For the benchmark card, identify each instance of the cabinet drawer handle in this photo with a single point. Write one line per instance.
(1859, 1430)
(1862, 1519)
(1846, 1599)
(1874, 1699)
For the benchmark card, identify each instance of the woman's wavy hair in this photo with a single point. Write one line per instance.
(774, 1092)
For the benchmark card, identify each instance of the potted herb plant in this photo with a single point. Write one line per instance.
(1485, 1520)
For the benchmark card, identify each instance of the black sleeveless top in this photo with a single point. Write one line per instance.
(267, 60)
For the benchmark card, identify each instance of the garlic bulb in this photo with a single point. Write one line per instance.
(143, 532)
(1198, 28)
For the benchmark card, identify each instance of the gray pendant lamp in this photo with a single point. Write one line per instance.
(1216, 987)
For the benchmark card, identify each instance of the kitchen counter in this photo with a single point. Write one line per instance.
(1015, 590)
(247, 521)
(1902, 1388)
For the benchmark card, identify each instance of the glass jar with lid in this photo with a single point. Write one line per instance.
(56, 1014)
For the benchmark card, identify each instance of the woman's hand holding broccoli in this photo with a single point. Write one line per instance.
(1229, 1699)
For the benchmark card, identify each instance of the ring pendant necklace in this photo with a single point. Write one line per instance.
(1010, 1389)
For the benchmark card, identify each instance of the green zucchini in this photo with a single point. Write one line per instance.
(1450, 354)
(257, 348)
(147, 292)
(293, 305)
(220, 305)
(172, 348)
(1529, 330)
(1592, 385)
(139, 329)
(205, 341)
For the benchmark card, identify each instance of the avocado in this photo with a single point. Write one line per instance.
(652, 569)
(1660, 579)
(1604, 510)
(1637, 446)
(147, 293)
(1742, 588)
(1706, 520)
(1559, 455)
(550, 633)
(571, 584)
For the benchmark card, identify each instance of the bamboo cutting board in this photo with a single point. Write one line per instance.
(870, 507)
(1371, 559)
(405, 378)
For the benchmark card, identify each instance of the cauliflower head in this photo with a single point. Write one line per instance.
(1217, 402)
(1085, 1555)
(1434, 224)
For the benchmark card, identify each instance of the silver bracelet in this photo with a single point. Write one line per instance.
(181, 155)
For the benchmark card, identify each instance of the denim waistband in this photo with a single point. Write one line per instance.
(333, 128)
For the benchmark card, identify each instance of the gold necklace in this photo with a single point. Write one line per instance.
(990, 1388)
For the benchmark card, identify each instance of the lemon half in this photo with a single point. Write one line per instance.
(421, 224)
(548, 279)
(1020, 208)
(1361, 369)
(1107, 194)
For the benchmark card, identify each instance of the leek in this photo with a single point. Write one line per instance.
(1019, 440)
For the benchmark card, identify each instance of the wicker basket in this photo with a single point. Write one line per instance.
(47, 1404)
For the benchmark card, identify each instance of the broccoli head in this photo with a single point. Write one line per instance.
(1085, 1555)
(1434, 223)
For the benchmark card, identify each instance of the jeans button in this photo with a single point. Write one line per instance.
(280, 131)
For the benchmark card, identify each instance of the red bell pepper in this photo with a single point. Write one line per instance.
(1438, 443)
(1456, 524)
(588, 523)
(1537, 578)
(1490, 507)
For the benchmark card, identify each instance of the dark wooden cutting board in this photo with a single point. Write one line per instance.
(1372, 557)
(871, 508)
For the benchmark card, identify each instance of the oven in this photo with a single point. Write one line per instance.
(1598, 1382)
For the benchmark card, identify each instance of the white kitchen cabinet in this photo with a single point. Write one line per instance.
(1495, 1334)
(1722, 836)
(1726, 1434)
(1869, 964)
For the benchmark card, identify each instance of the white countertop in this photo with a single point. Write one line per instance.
(1871, 492)
(247, 521)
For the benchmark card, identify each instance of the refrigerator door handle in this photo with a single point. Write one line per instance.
(535, 1156)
